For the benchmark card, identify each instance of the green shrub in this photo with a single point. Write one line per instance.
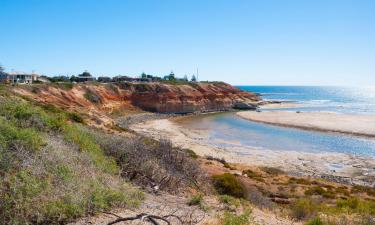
(43, 178)
(229, 200)
(315, 221)
(196, 200)
(191, 153)
(103, 198)
(50, 108)
(227, 165)
(227, 184)
(299, 181)
(113, 88)
(19, 191)
(92, 96)
(303, 208)
(14, 137)
(75, 117)
(64, 172)
(316, 190)
(230, 218)
(253, 175)
(74, 133)
(342, 190)
(25, 115)
(64, 85)
(355, 205)
(272, 170)
(363, 189)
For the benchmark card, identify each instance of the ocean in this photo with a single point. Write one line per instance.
(352, 100)
(226, 130)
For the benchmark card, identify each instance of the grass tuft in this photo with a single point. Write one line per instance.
(196, 200)
(230, 218)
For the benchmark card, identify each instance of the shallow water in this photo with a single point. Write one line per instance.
(229, 131)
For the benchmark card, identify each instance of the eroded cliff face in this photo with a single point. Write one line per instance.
(195, 97)
(153, 97)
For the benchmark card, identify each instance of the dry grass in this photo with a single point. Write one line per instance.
(153, 164)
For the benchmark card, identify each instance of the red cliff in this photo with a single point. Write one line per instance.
(154, 97)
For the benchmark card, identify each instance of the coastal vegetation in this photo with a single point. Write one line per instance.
(58, 165)
(52, 170)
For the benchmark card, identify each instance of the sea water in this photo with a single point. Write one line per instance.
(226, 130)
(353, 100)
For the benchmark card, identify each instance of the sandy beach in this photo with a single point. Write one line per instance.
(340, 167)
(360, 125)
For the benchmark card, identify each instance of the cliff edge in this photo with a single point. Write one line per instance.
(153, 97)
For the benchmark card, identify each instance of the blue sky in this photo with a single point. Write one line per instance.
(317, 42)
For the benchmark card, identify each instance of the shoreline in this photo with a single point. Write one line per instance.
(337, 167)
(355, 125)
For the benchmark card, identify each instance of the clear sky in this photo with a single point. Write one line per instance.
(254, 42)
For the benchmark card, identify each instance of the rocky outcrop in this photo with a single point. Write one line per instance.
(245, 106)
(153, 97)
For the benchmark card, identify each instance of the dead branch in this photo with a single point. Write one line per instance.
(153, 219)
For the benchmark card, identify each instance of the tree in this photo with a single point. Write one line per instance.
(1, 69)
(186, 78)
(171, 77)
(73, 78)
(85, 74)
(193, 79)
(143, 75)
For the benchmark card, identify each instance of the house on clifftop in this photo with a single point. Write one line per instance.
(18, 78)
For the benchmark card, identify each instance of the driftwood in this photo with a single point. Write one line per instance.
(153, 219)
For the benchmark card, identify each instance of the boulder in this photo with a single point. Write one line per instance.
(245, 106)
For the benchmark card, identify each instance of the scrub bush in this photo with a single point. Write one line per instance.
(227, 184)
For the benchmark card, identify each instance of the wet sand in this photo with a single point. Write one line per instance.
(339, 167)
(359, 125)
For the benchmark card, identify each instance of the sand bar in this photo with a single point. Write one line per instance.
(282, 105)
(360, 125)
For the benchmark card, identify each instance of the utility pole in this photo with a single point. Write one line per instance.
(197, 75)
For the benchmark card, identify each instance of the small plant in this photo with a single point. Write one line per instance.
(302, 181)
(227, 184)
(315, 221)
(35, 90)
(64, 85)
(196, 200)
(92, 96)
(363, 189)
(356, 205)
(343, 190)
(113, 88)
(316, 190)
(75, 117)
(253, 175)
(302, 209)
(222, 160)
(228, 166)
(191, 153)
(229, 200)
(272, 170)
(230, 218)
